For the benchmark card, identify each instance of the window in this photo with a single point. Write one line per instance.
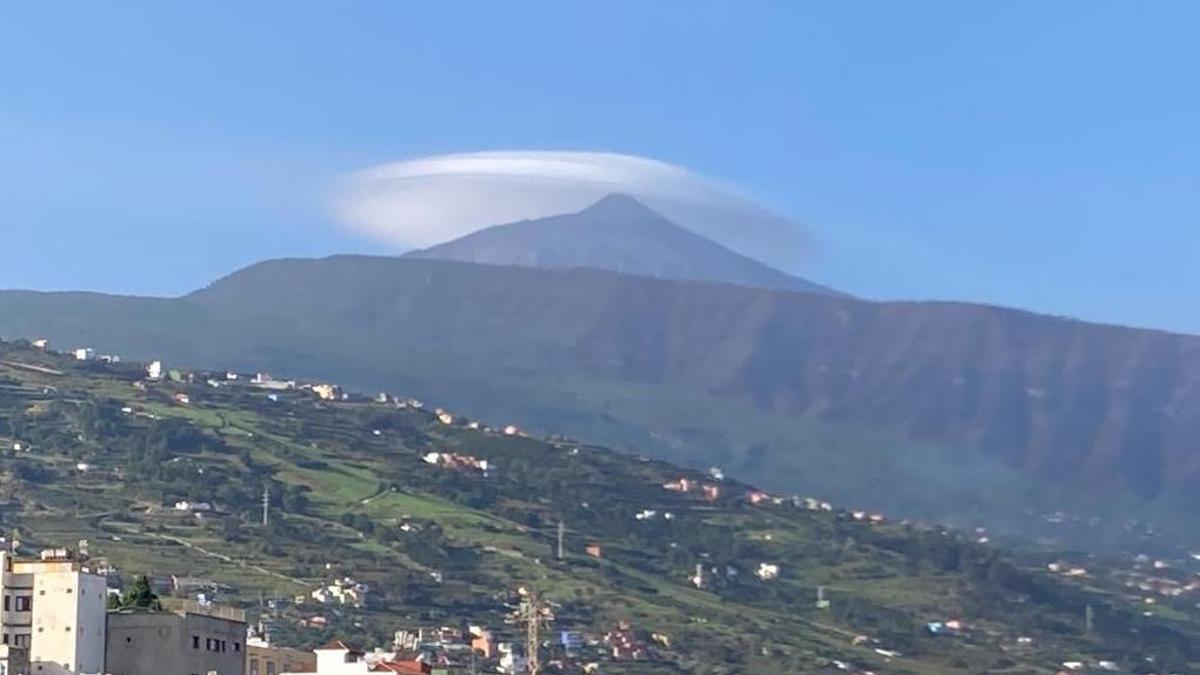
(237, 646)
(270, 668)
(254, 667)
(7, 602)
(195, 642)
(24, 603)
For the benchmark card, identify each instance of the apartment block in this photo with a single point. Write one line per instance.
(53, 609)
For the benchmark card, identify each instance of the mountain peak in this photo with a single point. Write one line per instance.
(618, 233)
(620, 204)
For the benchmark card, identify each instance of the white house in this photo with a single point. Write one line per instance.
(767, 572)
(155, 370)
(339, 658)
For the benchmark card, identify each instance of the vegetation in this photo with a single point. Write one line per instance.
(106, 456)
(139, 595)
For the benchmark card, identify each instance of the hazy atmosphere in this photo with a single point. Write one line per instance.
(1025, 156)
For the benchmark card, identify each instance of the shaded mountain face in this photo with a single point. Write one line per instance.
(620, 234)
(937, 409)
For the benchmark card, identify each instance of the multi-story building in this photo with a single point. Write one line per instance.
(54, 609)
(266, 659)
(192, 640)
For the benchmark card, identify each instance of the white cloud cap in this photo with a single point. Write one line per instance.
(430, 200)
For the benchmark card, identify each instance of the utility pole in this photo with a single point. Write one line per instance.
(266, 504)
(1089, 620)
(562, 533)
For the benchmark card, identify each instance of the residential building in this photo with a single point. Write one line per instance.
(265, 659)
(337, 658)
(327, 392)
(54, 609)
(190, 640)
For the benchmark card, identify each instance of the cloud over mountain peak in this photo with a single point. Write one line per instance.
(429, 200)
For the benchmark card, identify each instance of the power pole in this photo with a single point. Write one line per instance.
(822, 603)
(562, 533)
(266, 504)
(1089, 620)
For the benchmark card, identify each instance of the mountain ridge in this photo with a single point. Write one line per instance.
(793, 390)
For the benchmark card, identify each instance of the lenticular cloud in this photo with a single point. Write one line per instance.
(430, 200)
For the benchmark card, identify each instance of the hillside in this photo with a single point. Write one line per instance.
(104, 454)
(620, 234)
(1004, 416)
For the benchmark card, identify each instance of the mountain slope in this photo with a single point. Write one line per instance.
(952, 411)
(106, 455)
(620, 234)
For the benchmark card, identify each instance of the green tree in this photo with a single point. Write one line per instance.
(139, 595)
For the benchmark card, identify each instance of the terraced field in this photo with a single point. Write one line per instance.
(105, 455)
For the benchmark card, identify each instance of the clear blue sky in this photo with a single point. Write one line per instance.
(1038, 154)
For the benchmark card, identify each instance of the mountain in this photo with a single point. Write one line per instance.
(970, 414)
(620, 234)
(398, 498)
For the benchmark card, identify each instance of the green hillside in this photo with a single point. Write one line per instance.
(104, 455)
(1009, 416)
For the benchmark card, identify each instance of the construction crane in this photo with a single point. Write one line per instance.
(531, 615)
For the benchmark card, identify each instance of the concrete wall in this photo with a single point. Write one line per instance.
(169, 643)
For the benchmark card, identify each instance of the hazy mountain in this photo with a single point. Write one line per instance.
(617, 233)
(938, 408)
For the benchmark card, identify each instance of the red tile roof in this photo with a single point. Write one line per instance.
(340, 646)
(410, 667)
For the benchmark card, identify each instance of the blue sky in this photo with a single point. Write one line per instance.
(1041, 155)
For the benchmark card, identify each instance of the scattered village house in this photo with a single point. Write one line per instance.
(327, 392)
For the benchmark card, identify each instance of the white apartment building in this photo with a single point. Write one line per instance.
(55, 610)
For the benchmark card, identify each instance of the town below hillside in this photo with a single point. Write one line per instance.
(276, 525)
